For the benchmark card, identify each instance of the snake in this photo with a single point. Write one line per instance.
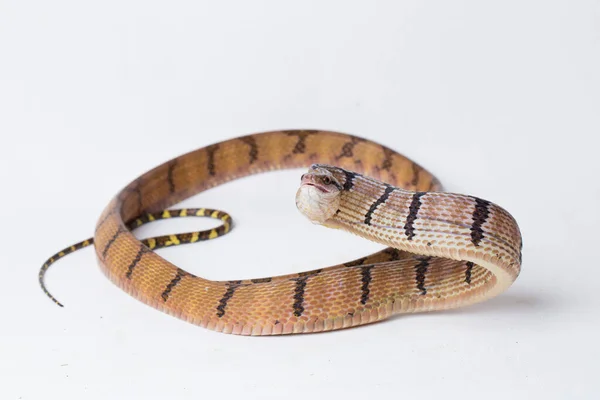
(442, 250)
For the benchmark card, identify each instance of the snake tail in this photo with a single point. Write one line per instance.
(152, 243)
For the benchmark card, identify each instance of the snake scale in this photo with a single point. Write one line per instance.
(445, 250)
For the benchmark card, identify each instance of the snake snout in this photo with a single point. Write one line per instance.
(318, 196)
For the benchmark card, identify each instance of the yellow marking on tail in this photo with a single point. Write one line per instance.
(200, 212)
(86, 243)
(61, 254)
(151, 243)
(166, 214)
(183, 212)
(213, 234)
(151, 217)
(173, 241)
(73, 248)
(226, 226)
(215, 214)
(225, 217)
(195, 237)
(139, 222)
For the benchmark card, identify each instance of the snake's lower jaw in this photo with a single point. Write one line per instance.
(316, 205)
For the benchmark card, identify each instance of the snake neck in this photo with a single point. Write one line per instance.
(433, 224)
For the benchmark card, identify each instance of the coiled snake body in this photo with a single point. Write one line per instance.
(446, 250)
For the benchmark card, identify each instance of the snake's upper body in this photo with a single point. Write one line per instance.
(445, 250)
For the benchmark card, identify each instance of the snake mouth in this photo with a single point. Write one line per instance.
(311, 180)
(317, 186)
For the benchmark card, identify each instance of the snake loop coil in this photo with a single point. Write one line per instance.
(445, 250)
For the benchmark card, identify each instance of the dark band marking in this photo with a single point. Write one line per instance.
(134, 187)
(231, 288)
(210, 163)
(170, 180)
(180, 274)
(111, 241)
(136, 260)
(104, 219)
(355, 263)
(366, 281)
(413, 211)
(415, 180)
(348, 148)
(299, 295)
(309, 273)
(480, 215)
(393, 253)
(470, 266)
(300, 146)
(349, 182)
(261, 280)
(138, 192)
(251, 141)
(388, 189)
(387, 163)
(421, 269)
(299, 290)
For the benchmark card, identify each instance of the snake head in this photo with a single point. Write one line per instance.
(318, 197)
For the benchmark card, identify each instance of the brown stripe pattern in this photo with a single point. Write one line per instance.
(480, 215)
(170, 176)
(300, 146)
(104, 219)
(413, 211)
(231, 288)
(348, 147)
(210, 163)
(366, 279)
(253, 153)
(261, 280)
(355, 263)
(415, 170)
(386, 193)
(348, 183)
(393, 253)
(386, 164)
(470, 266)
(421, 269)
(119, 231)
(180, 274)
(136, 260)
(298, 306)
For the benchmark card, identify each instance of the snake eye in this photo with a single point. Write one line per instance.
(327, 180)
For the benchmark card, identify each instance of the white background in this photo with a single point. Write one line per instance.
(498, 99)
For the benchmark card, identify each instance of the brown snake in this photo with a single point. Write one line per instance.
(446, 250)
